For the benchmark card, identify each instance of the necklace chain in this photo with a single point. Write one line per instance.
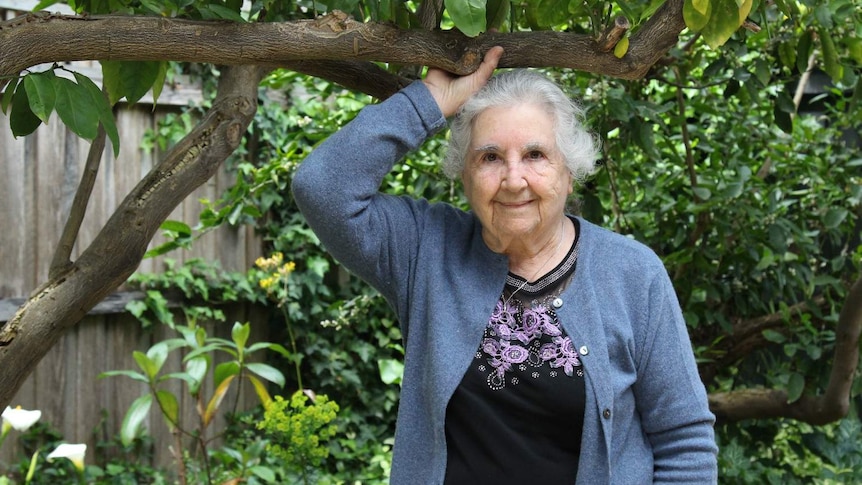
(539, 271)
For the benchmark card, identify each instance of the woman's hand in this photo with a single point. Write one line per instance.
(452, 91)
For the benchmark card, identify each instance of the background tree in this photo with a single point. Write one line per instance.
(699, 118)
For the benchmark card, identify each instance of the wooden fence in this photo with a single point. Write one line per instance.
(38, 177)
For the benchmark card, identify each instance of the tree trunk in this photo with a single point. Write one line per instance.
(119, 247)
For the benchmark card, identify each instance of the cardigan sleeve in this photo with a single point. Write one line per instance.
(337, 187)
(670, 395)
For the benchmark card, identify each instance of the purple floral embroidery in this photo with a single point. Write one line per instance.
(537, 321)
(561, 353)
(503, 319)
(514, 336)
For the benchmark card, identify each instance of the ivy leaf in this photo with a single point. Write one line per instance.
(75, 109)
(468, 15)
(41, 94)
(391, 371)
(22, 120)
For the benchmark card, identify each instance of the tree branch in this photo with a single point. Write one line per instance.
(63, 254)
(832, 405)
(334, 37)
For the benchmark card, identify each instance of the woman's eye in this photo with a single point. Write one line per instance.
(535, 155)
(490, 157)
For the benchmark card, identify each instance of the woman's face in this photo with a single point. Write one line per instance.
(514, 177)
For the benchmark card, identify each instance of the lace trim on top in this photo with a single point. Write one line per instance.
(551, 284)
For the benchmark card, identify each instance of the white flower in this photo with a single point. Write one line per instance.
(20, 419)
(75, 453)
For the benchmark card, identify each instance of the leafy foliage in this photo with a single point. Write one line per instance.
(746, 186)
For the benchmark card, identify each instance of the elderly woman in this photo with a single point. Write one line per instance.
(539, 348)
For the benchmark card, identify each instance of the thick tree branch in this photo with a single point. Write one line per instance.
(334, 37)
(832, 405)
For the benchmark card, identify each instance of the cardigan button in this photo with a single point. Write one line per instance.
(584, 350)
(557, 303)
(606, 413)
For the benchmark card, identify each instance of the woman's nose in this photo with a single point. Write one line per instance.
(514, 175)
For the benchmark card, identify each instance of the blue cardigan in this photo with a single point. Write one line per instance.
(646, 419)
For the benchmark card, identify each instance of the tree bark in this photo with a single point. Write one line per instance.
(334, 38)
(119, 247)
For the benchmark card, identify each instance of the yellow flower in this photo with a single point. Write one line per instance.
(75, 453)
(287, 268)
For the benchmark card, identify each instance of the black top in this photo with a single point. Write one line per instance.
(517, 416)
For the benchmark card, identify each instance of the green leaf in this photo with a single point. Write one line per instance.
(169, 407)
(263, 472)
(834, 217)
(224, 371)
(267, 372)
(468, 15)
(22, 120)
(135, 416)
(44, 4)
(727, 16)
(197, 369)
(702, 193)
(158, 354)
(8, 94)
(106, 115)
(130, 79)
(214, 11)
(695, 18)
(75, 109)
(127, 373)
(270, 346)
(146, 364)
(40, 93)
(773, 336)
(159, 82)
(831, 64)
(239, 334)
(701, 6)
(176, 226)
(548, 13)
(497, 13)
(803, 50)
(795, 387)
(391, 370)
